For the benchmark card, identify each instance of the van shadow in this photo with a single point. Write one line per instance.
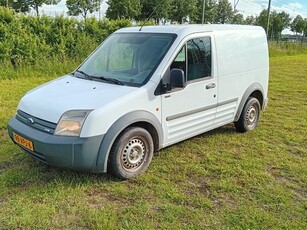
(26, 173)
(72, 177)
(225, 130)
(33, 173)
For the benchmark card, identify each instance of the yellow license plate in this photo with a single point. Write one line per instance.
(23, 142)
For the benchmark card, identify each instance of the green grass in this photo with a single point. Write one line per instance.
(287, 48)
(219, 180)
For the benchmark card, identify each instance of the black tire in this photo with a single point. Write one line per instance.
(131, 153)
(250, 115)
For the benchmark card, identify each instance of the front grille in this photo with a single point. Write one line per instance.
(35, 122)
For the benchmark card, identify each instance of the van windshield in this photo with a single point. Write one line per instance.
(127, 58)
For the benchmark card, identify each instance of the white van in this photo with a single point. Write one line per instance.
(143, 89)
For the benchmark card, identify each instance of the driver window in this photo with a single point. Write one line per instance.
(180, 60)
(195, 59)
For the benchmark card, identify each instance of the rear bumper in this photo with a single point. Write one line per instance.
(60, 151)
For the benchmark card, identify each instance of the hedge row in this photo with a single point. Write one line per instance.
(28, 40)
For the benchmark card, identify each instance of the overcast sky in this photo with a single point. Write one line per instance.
(246, 7)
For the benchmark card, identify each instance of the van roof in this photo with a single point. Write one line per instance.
(189, 28)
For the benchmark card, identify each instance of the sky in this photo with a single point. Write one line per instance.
(245, 7)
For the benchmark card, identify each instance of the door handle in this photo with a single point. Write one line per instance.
(210, 86)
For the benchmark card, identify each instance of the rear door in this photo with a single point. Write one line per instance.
(191, 110)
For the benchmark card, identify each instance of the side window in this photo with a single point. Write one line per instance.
(180, 60)
(195, 59)
(199, 58)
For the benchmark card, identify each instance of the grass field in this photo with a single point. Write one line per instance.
(218, 180)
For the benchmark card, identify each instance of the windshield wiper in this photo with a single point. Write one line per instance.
(92, 78)
(110, 80)
(85, 75)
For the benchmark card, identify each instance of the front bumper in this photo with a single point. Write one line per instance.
(60, 151)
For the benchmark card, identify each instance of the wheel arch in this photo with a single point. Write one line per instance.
(151, 129)
(255, 90)
(141, 119)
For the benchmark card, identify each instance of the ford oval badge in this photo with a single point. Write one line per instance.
(30, 121)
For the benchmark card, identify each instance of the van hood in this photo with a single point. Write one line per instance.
(50, 100)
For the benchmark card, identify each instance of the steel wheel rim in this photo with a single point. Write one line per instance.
(251, 117)
(133, 154)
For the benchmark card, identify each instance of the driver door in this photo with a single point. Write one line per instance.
(191, 110)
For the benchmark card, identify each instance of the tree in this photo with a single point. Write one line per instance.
(123, 9)
(298, 24)
(182, 10)
(156, 9)
(17, 5)
(262, 19)
(83, 7)
(224, 12)
(25, 5)
(250, 20)
(238, 19)
(34, 4)
(278, 22)
(210, 11)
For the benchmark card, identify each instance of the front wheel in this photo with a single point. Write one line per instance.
(131, 153)
(250, 115)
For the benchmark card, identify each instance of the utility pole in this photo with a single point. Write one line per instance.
(101, 15)
(267, 27)
(235, 3)
(203, 17)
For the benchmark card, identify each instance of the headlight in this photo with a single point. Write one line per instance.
(71, 123)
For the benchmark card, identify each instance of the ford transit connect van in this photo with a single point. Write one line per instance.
(144, 89)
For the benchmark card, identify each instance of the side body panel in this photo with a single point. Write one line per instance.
(191, 110)
(188, 112)
(242, 69)
(101, 119)
(239, 68)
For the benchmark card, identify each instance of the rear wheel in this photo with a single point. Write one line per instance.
(131, 153)
(250, 115)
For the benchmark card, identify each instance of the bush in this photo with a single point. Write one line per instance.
(29, 40)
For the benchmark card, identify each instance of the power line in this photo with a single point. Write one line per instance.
(280, 4)
(276, 5)
(235, 3)
(252, 3)
(284, 5)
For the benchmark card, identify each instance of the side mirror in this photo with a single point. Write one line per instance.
(177, 79)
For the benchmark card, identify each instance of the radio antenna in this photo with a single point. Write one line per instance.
(147, 19)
